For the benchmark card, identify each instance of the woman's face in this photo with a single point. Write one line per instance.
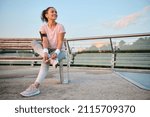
(51, 14)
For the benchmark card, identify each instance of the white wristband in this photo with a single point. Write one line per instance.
(45, 50)
(57, 51)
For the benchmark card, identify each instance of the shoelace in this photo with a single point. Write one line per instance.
(31, 87)
(54, 63)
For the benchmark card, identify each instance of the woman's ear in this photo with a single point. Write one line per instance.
(46, 15)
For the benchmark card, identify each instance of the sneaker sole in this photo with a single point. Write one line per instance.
(33, 94)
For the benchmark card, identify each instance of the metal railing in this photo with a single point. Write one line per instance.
(83, 46)
(126, 50)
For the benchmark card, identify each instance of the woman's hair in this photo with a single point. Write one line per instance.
(43, 17)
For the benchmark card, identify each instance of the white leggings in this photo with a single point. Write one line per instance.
(44, 67)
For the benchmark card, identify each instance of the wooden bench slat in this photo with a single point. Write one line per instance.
(17, 44)
(19, 39)
(16, 48)
(14, 58)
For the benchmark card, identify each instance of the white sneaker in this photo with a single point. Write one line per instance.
(30, 91)
(54, 62)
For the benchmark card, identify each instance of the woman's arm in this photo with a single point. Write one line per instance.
(45, 42)
(59, 45)
(45, 46)
(60, 40)
(44, 39)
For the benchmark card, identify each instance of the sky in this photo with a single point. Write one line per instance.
(81, 18)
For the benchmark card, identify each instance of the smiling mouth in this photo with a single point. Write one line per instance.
(54, 15)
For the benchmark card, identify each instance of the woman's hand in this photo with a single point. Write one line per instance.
(54, 56)
(45, 58)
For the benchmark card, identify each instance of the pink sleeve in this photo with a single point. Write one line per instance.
(61, 29)
(42, 29)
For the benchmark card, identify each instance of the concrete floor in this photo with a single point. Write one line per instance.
(86, 84)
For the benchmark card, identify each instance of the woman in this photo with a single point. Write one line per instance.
(52, 49)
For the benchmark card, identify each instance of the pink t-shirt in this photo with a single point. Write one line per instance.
(52, 34)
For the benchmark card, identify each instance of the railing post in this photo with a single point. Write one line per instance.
(113, 58)
(68, 52)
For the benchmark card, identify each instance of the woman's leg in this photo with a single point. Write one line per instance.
(33, 89)
(37, 47)
(44, 67)
(42, 73)
(61, 56)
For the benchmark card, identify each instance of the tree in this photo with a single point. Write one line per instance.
(93, 48)
(121, 43)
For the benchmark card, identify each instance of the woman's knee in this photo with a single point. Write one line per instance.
(61, 56)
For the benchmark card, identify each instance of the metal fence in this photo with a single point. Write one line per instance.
(115, 51)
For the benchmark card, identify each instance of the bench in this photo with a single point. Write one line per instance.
(14, 46)
(8, 46)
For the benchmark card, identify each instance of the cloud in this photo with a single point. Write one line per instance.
(147, 9)
(131, 18)
(127, 20)
(100, 44)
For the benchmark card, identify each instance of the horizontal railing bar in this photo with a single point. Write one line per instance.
(85, 38)
(110, 36)
(117, 51)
